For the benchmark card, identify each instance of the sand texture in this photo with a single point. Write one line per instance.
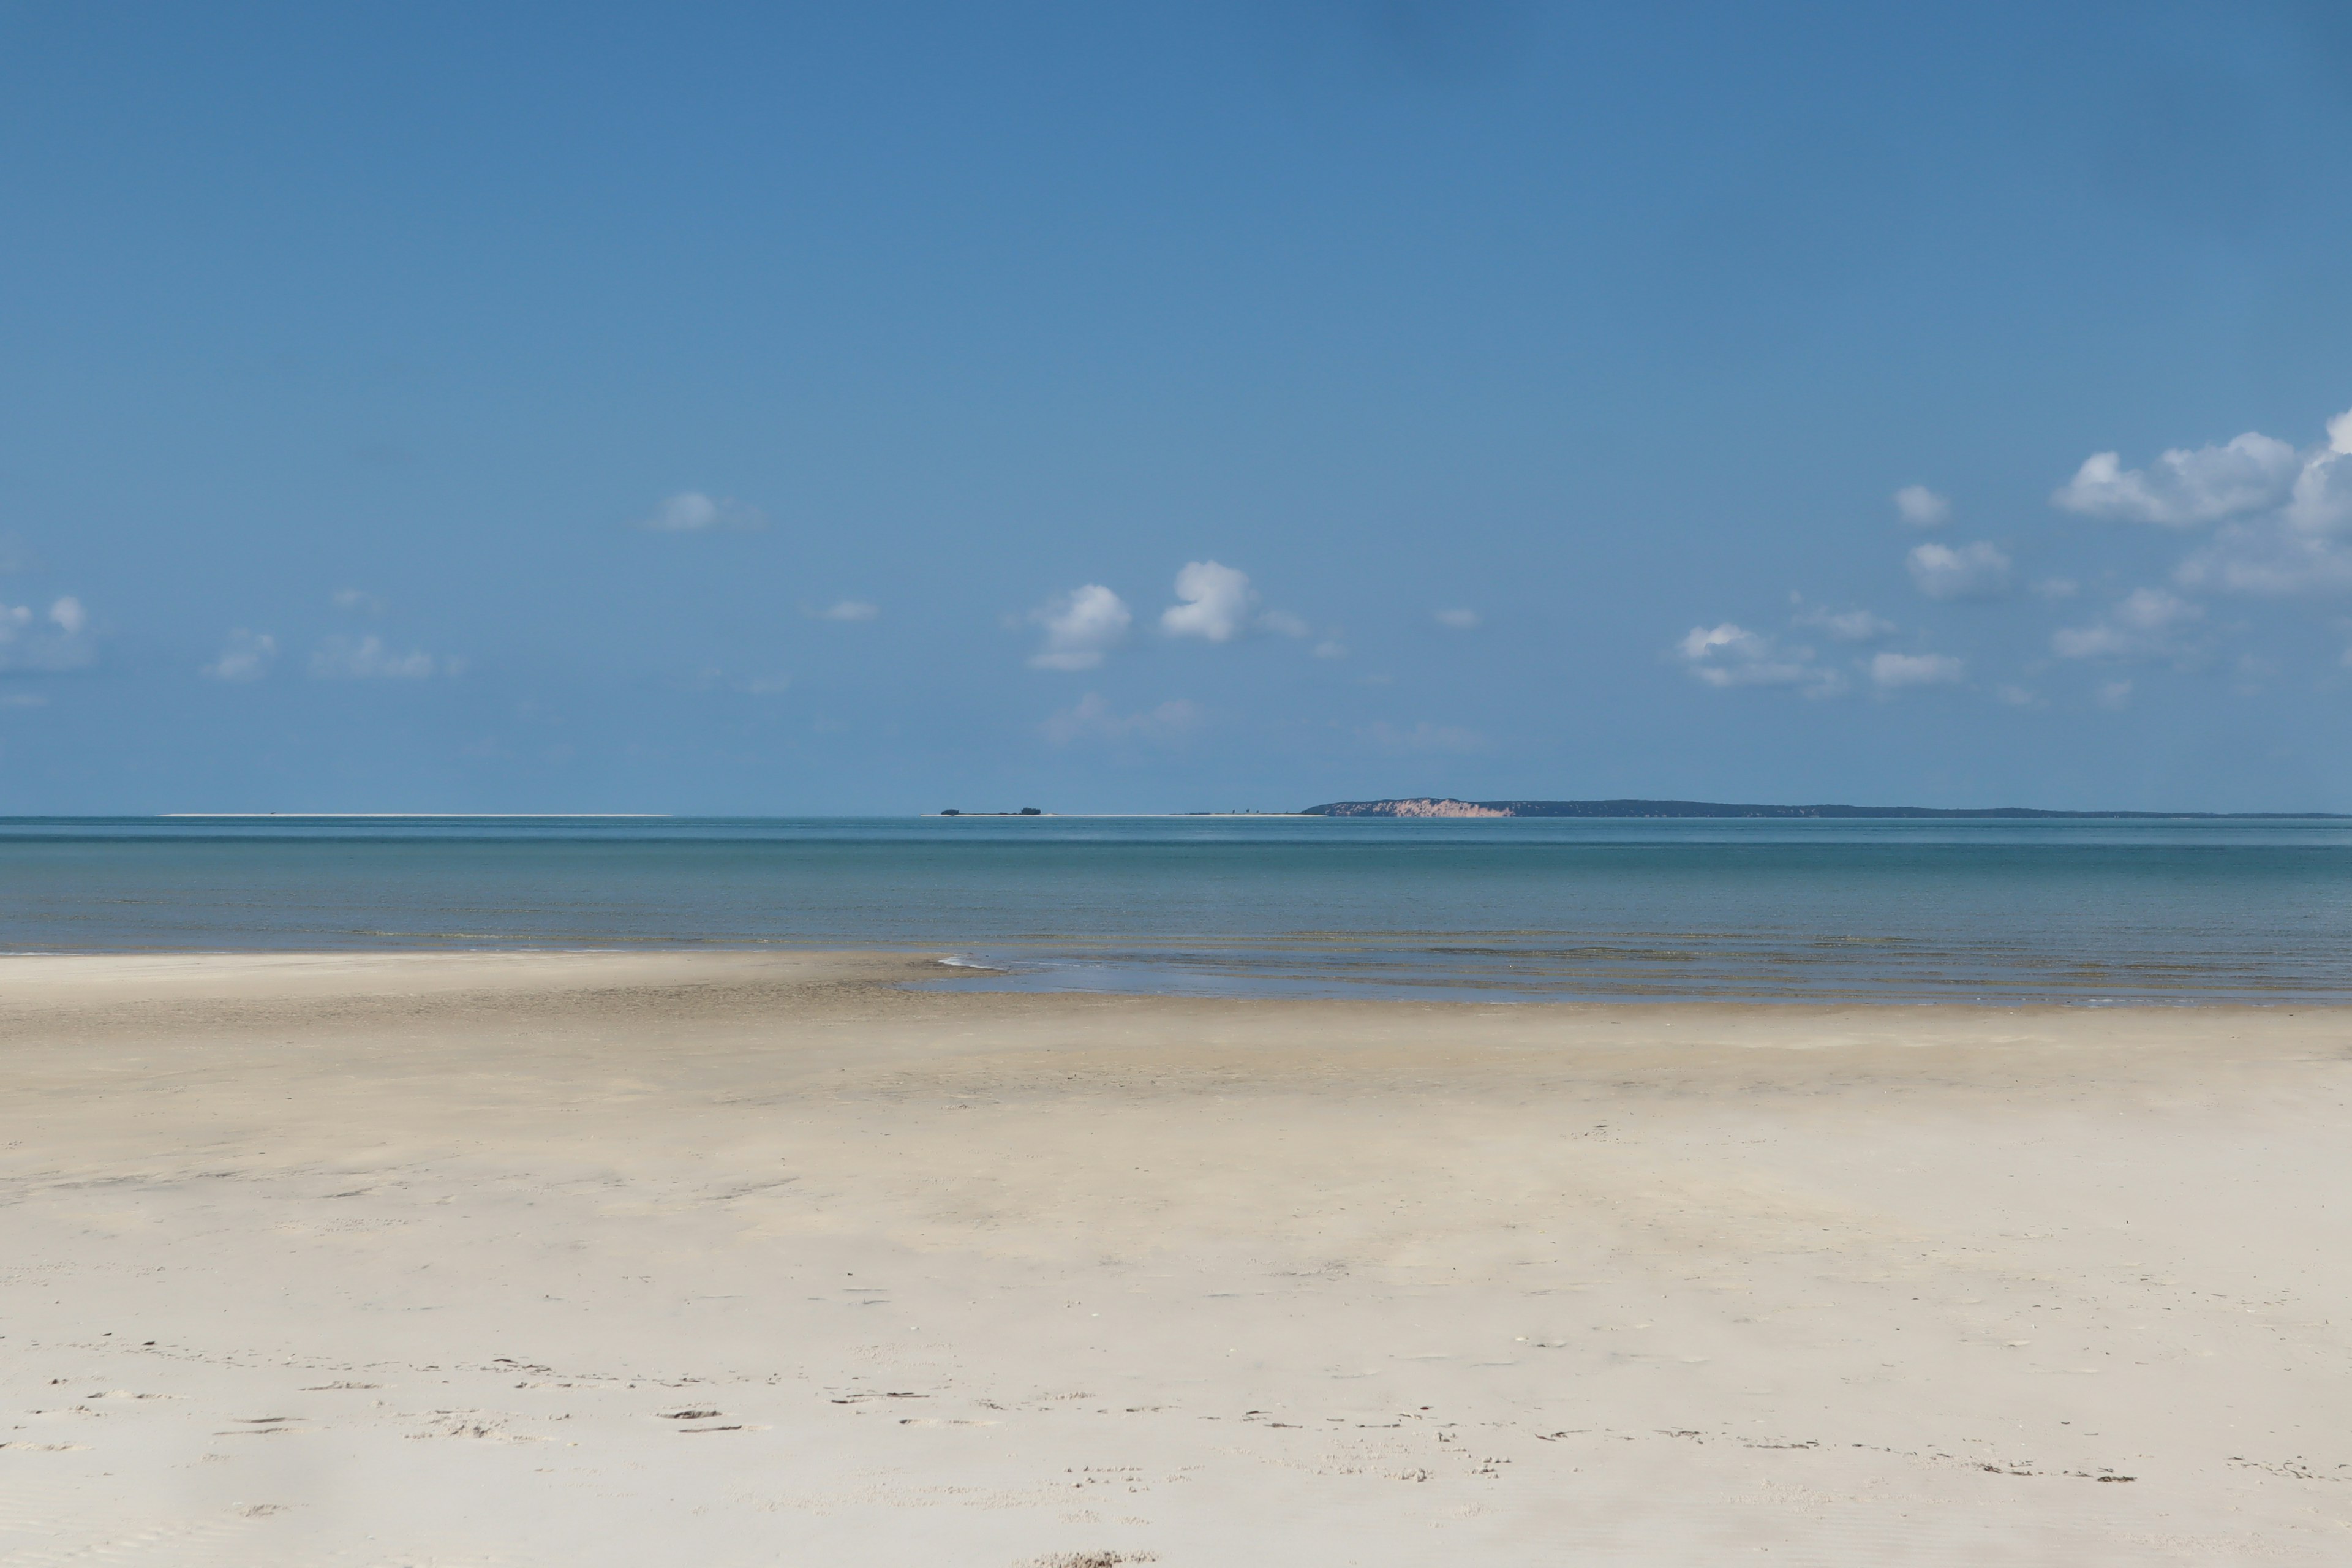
(757, 1259)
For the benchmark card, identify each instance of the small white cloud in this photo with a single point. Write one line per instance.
(1922, 508)
(1893, 671)
(1216, 601)
(691, 511)
(1847, 625)
(1283, 624)
(2147, 623)
(358, 602)
(1423, 737)
(2114, 695)
(1460, 620)
(2018, 696)
(1330, 647)
(1729, 655)
(1091, 718)
(2184, 488)
(68, 615)
(1978, 570)
(849, 610)
(1080, 628)
(2055, 588)
(367, 658)
(247, 656)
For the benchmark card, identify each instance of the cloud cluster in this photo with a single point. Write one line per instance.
(2275, 520)
(1845, 625)
(1978, 570)
(1092, 718)
(1214, 603)
(367, 658)
(1922, 508)
(1080, 628)
(2185, 489)
(2282, 516)
(1728, 655)
(2149, 623)
(692, 511)
(246, 656)
(1893, 671)
(49, 641)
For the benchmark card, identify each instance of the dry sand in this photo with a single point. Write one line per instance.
(735, 1259)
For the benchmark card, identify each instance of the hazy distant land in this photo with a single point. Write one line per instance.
(1445, 806)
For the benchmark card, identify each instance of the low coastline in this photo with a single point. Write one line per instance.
(438, 1254)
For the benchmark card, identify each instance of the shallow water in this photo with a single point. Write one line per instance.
(1992, 911)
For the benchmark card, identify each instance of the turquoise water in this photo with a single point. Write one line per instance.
(2077, 911)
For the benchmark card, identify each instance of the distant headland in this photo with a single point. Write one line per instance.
(1426, 806)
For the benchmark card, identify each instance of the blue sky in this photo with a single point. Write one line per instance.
(880, 408)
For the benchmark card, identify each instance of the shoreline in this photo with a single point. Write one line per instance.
(596, 1258)
(934, 968)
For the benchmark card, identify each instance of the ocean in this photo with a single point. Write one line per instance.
(2093, 913)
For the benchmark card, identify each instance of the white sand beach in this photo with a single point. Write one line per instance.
(754, 1259)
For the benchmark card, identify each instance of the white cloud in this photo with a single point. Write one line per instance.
(358, 602)
(849, 610)
(2185, 489)
(2055, 588)
(2018, 696)
(1847, 625)
(51, 641)
(1893, 671)
(1330, 647)
(1080, 628)
(1284, 623)
(1729, 655)
(1460, 620)
(1978, 570)
(2114, 695)
(691, 511)
(2285, 514)
(246, 656)
(367, 658)
(1423, 737)
(1922, 508)
(1091, 718)
(1216, 602)
(2148, 624)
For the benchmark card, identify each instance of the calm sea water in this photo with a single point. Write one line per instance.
(2078, 911)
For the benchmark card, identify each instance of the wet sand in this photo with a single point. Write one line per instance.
(736, 1259)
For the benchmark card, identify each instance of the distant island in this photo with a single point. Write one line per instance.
(1426, 806)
